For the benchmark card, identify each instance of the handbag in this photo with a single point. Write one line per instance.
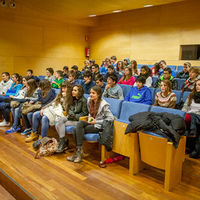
(28, 107)
(14, 104)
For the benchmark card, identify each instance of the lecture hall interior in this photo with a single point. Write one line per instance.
(41, 34)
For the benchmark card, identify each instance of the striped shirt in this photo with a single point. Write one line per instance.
(168, 101)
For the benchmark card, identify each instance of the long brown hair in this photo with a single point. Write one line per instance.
(128, 76)
(135, 69)
(33, 86)
(191, 96)
(68, 98)
(93, 108)
(26, 78)
(45, 86)
(168, 83)
(122, 63)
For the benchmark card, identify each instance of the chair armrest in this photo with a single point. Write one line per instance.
(84, 118)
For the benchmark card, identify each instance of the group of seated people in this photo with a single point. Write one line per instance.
(49, 109)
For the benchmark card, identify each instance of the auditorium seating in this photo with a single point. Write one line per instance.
(126, 89)
(163, 154)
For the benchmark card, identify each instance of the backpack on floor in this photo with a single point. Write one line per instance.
(47, 147)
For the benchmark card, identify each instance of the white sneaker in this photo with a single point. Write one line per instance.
(4, 123)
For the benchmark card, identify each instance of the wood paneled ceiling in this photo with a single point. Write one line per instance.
(63, 10)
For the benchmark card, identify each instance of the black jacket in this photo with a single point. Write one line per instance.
(169, 125)
(78, 109)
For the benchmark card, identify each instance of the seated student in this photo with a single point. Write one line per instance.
(86, 65)
(12, 91)
(49, 72)
(45, 95)
(192, 118)
(185, 73)
(139, 93)
(99, 110)
(155, 69)
(111, 71)
(194, 75)
(77, 109)
(127, 62)
(163, 65)
(134, 68)
(88, 83)
(112, 89)
(146, 73)
(16, 110)
(120, 68)
(65, 71)
(127, 78)
(114, 61)
(78, 73)
(6, 83)
(31, 95)
(165, 98)
(95, 71)
(166, 76)
(72, 78)
(29, 73)
(58, 81)
(100, 83)
(106, 63)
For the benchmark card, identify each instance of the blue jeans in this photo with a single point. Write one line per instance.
(37, 118)
(27, 119)
(16, 117)
(5, 109)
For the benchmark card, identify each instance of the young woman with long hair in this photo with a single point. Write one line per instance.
(99, 110)
(46, 116)
(77, 109)
(192, 118)
(134, 68)
(127, 78)
(120, 67)
(165, 98)
(45, 95)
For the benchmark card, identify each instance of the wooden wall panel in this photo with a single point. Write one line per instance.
(147, 35)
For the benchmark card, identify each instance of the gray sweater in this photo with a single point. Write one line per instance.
(115, 92)
(103, 113)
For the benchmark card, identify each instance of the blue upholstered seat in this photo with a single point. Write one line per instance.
(154, 79)
(168, 110)
(41, 77)
(130, 108)
(91, 137)
(153, 94)
(178, 95)
(185, 96)
(69, 129)
(126, 89)
(180, 68)
(57, 91)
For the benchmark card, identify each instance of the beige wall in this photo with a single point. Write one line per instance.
(147, 35)
(38, 44)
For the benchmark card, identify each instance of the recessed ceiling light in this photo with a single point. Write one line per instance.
(148, 6)
(116, 11)
(92, 16)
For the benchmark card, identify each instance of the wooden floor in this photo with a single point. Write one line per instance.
(55, 178)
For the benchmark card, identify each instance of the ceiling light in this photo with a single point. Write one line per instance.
(92, 16)
(146, 6)
(116, 11)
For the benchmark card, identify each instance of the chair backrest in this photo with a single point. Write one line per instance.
(86, 95)
(41, 77)
(159, 109)
(178, 95)
(153, 90)
(115, 106)
(126, 89)
(173, 67)
(154, 79)
(130, 108)
(185, 96)
(57, 91)
(180, 83)
(179, 68)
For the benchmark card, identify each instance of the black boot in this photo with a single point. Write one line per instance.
(63, 145)
(196, 152)
(78, 155)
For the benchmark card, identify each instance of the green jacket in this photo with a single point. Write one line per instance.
(58, 83)
(78, 109)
